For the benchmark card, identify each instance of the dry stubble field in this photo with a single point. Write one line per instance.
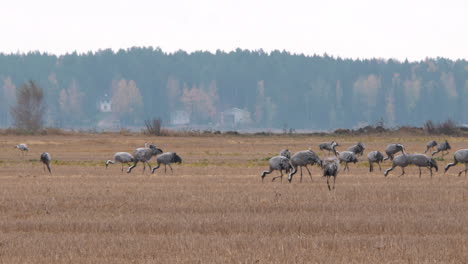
(215, 209)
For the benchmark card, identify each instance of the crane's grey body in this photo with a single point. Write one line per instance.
(460, 156)
(121, 157)
(278, 163)
(347, 157)
(402, 161)
(302, 159)
(392, 149)
(443, 146)
(23, 147)
(374, 157)
(144, 155)
(331, 166)
(430, 145)
(330, 146)
(285, 153)
(357, 149)
(45, 159)
(422, 160)
(166, 159)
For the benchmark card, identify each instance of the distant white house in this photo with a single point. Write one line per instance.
(180, 117)
(105, 104)
(235, 116)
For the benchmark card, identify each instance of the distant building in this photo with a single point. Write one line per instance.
(235, 117)
(180, 117)
(105, 104)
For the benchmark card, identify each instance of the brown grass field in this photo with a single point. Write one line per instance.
(215, 209)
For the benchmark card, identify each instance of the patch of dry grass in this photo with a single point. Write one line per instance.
(214, 209)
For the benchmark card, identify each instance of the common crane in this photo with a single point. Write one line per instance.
(166, 159)
(278, 163)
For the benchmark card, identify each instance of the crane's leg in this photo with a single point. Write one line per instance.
(165, 167)
(281, 175)
(122, 167)
(334, 181)
(310, 174)
(402, 172)
(466, 169)
(328, 183)
(380, 168)
(371, 168)
(301, 175)
(419, 172)
(172, 172)
(430, 170)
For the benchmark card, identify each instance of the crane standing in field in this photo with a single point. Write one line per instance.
(45, 159)
(430, 145)
(330, 146)
(331, 166)
(392, 149)
(121, 157)
(302, 159)
(460, 156)
(422, 160)
(357, 149)
(278, 163)
(375, 157)
(347, 157)
(144, 155)
(402, 161)
(444, 146)
(166, 159)
(23, 148)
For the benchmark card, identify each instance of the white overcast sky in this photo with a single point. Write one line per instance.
(413, 29)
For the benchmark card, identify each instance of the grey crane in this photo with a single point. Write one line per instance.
(144, 155)
(375, 157)
(422, 160)
(302, 159)
(330, 146)
(357, 149)
(460, 156)
(331, 166)
(347, 157)
(402, 161)
(23, 147)
(430, 145)
(285, 153)
(443, 146)
(166, 159)
(392, 149)
(45, 159)
(121, 157)
(278, 163)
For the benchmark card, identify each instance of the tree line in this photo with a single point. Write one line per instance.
(278, 88)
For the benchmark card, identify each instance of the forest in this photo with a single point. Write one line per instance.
(277, 89)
